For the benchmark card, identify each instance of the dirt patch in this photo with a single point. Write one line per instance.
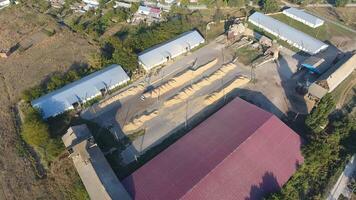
(17, 22)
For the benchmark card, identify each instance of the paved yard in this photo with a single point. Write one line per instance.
(273, 90)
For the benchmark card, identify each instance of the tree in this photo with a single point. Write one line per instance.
(134, 7)
(95, 61)
(318, 118)
(269, 6)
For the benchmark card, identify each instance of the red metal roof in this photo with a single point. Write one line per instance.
(240, 152)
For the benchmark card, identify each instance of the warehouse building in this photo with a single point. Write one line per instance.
(304, 17)
(73, 95)
(287, 33)
(94, 170)
(240, 152)
(162, 53)
(328, 81)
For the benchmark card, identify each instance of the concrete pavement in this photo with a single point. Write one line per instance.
(341, 185)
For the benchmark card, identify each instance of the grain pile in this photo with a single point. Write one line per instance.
(180, 80)
(129, 92)
(238, 82)
(191, 90)
(137, 122)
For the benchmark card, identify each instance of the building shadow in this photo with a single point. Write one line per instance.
(296, 101)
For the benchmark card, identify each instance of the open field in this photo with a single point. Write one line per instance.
(328, 32)
(21, 178)
(345, 91)
(17, 22)
(346, 16)
(319, 33)
(51, 54)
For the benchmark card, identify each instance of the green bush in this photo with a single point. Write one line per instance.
(324, 158)
(35, 132)
(270, 6)
(318, 118)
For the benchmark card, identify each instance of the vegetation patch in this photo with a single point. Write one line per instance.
(320, 33)
(247, 54)
(326, 152)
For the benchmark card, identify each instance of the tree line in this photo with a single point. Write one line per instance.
(329, 145)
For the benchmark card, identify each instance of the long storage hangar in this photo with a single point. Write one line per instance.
(97, 176)
(80, 91)
(332, 78)
(304, 17)
(162, 53)
(228, 156)
(289, 34)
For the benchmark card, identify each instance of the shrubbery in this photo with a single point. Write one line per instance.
(318, 118)
(35, 132)
(325, 152)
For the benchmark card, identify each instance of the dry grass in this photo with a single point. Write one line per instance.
(20, 71)
(346, 16)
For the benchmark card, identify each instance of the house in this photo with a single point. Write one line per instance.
(265, 41)
(332, 78)
(91, 4)
(304, 17)
(287, 33)
(4, 3)
(74, 95)
(122, 4)
(94, 170)
(240, 152)
(57, 3)
(162, 53)
(149, 11)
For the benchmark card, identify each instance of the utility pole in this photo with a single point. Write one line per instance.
(186, 114)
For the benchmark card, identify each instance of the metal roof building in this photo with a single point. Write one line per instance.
(304, 17)
(97, 176)
(240, 152)
(162, 53)
(322, 61)
(332, 78)
(287, 33)
(80, 91)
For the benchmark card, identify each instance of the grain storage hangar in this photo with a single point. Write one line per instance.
(228, 156)
(80, 91)
(162, 53)
(287, 33)
(304, 17)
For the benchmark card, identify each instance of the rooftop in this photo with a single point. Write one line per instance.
(157, 55)
(322, 61)
(240, 152)
(60, 100)
(287, 33)
(304, 17)
(94, 170)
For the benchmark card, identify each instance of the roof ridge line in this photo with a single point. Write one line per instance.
(237, 148)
